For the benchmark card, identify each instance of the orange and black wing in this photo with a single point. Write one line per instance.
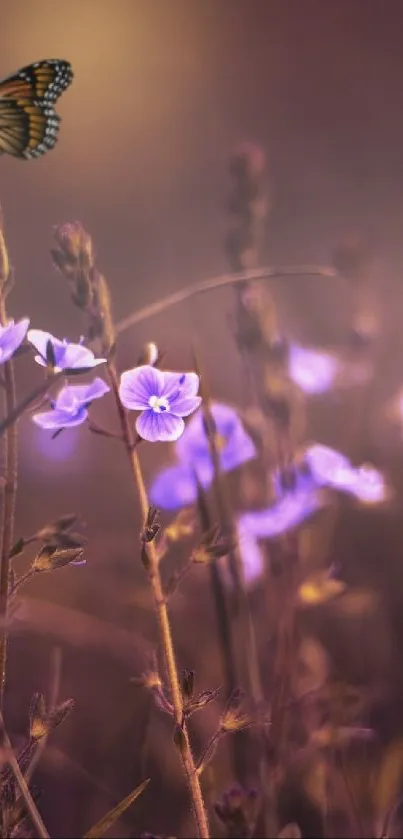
(28, 129)
(43, 80)
(29, 124)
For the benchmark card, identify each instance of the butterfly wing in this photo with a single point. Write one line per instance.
(29, 124)
(42, 80)
(28, 129)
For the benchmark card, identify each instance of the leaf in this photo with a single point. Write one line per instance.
(101, 827)
(59, 714)
(58, 525)
(50, 354)
(49, 558)
(38, 725)
(17, 548)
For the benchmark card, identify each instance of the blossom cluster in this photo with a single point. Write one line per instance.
(163, 400)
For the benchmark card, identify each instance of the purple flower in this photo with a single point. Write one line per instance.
(176, 486)
(163, 399)
(70, 406)
(235, 446)
(295, 507)
(11, 337)
(289, 512)
(251, 554)
(326, 467)
(67, 356)
(313, 371)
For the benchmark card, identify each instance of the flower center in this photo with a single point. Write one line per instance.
(158, 404)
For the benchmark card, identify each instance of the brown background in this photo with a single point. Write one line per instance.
(163, 90)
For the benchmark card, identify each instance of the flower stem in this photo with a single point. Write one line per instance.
(162, 617)
(16, 411)
(9, 503)
(220, 282)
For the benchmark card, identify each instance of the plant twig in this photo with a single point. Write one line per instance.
(220, 282)
(10, 485)
(16, 412)
(56, 666)
(32, 809)
(163, 617)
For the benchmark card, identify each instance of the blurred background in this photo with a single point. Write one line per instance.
(163, 91)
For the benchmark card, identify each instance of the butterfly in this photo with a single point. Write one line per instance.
(29, 124)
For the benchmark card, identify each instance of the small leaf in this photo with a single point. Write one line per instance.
(107, 821)
(70, 540)
(188, 682)
(60, 713)
(50, 558)
(196, 703)
(50, 354)
(38, 726)
(17, 548)
(59, 525)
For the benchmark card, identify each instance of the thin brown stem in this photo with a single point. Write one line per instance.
(22, 785)
(16, 412)
(220, 282)
(162, 617)
(9, 504)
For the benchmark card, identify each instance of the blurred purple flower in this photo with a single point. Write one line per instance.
(176, 486)
(326, 467)
(251, 554)
(295, 507)
(235, 446)
(163, 399)
(11, 337)
(290, 511)
(67, 356)
(311, 370)
(70, 406)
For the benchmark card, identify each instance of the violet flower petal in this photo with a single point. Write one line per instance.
(155, 427)
(138, 385)
(287, 513)
(312, 371)
(11, 337)
(76, 356)
(61, 419)
(173, 488)
(184, 385)
(71, 395)
(251, 554)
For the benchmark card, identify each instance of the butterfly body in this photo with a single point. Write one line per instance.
(29, 123)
